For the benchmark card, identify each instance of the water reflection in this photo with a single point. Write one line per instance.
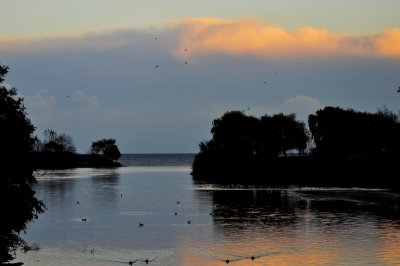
(302, 226)
(246, 226)
(105, 188)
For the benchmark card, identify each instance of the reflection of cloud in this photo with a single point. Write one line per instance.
(274, 250)
(390, 246)
(249, 36)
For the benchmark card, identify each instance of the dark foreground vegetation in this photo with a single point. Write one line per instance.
(65, 160)
(20, 154)
(346, 148)
(18, 203)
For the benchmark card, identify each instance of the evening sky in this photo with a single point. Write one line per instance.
(154, 74)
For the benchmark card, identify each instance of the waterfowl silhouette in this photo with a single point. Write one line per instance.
(254, 257)
(141, 224)
(146, 261)
(231, 260)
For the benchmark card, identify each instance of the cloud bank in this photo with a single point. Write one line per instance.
(248, 36)
(235, 37)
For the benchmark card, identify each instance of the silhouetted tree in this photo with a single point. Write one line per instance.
(287, 133)
(107, 148)
(237, 135)
(339, 133)
(240, 142)
(54, 142)
(18, 204)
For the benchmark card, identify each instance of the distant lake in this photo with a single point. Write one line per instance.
(151, 209)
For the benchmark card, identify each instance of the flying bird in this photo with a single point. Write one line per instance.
(398, 89)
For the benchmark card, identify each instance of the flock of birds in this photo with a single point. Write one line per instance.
(131, 262)
(148, 260)
(186, 62)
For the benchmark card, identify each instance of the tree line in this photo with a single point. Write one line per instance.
(244, 146)
(54, 142)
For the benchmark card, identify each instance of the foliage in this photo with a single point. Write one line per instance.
(350, 149)
(240, 141)
(107, 148)
(17, 199)
(339, 133)
(54, 142)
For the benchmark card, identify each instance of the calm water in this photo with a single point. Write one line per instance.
(93, 218)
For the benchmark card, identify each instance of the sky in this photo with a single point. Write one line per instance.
(154, 74)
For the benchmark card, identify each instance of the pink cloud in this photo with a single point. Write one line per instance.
(248, 36)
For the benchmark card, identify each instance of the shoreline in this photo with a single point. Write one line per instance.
(43, 160)
(303, 171)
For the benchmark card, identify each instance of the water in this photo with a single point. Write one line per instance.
(93, 217)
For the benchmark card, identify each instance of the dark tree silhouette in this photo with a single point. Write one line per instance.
(285, 133)
(55, 142)
(350, 149)
(107, 148)
(240, 142)
(339, 133)
(18, 204)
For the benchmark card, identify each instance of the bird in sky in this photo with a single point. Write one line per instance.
(398, 89)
